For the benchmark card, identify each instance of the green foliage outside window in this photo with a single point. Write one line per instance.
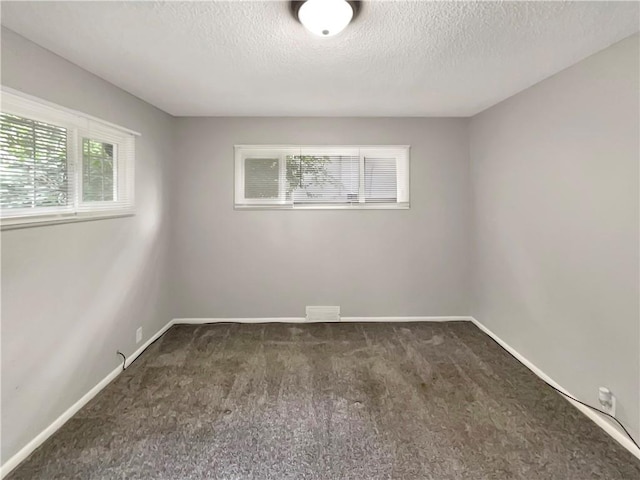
(304, 171)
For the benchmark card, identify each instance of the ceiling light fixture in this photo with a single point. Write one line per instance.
(325, 17)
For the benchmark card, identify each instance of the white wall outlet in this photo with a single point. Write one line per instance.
(607, 401)
(139, 335)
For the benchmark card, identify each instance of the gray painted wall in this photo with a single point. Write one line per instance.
(72, 294)
(228, 263)
(556, 273)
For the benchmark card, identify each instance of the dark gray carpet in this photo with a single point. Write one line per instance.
(328, 401)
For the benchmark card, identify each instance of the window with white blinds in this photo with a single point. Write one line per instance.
(59, 165)
(321, 177)
(34, 169)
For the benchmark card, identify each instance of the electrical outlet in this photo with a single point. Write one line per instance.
(607, 401)
(139, 335)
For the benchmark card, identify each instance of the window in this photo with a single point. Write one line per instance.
(57, 165)
(321, 177)
(97, 171)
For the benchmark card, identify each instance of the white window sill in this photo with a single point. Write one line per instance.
(41, 221)
(379, 206)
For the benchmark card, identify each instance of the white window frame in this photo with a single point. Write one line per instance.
(78, 126)
(400, 152)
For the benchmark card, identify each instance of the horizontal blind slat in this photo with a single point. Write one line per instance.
(380, 180)
(33, 164)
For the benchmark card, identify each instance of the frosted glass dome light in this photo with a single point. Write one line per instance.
(325, 17)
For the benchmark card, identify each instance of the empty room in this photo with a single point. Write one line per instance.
(320, 239)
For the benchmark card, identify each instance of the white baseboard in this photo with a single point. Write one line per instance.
(201, 321)
(598, 419)
(405, 319)
(25, 451)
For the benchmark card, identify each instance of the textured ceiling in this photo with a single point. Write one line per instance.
(253, 58)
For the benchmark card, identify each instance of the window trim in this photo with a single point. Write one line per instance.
(399, 151)
(79, 125)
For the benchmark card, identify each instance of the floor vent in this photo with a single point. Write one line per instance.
(323, 314)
